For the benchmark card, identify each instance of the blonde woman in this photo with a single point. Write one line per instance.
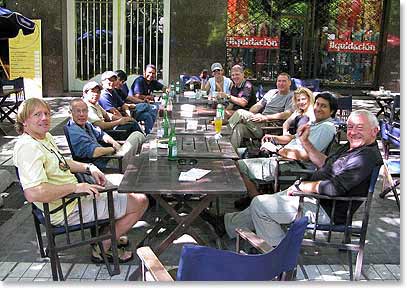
(303, 102)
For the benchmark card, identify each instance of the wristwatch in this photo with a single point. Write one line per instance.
(229, 96)
(88, 168)
(297, 184)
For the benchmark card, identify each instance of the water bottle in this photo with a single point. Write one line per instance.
(169, 107)
(172, 145)
(177, 88)
(220, 111)
(172, 89)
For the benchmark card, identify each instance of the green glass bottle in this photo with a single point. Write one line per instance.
(172, 145)
(165, 124)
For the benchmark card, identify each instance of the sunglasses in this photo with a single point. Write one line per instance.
(216, 70)
(187, 161)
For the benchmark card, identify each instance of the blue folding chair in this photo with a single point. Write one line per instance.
(390, 134)
(200, 263)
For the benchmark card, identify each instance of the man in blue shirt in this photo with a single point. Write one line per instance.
(86, 139)
(143, 86)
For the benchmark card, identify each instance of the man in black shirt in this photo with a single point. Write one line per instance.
(346, 173)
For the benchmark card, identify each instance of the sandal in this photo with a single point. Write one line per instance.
(123, 255)
(123, 241)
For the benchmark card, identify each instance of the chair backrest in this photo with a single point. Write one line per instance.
(311, 84)
(199, 263)
(184, 78)
(260, 92)
(344, 107)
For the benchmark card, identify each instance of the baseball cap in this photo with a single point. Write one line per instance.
(90, 85)
(216, 66)
(108, 74)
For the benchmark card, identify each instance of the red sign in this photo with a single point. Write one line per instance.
(253, 42)
(352, 46)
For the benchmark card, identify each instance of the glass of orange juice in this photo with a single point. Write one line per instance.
(218, 124)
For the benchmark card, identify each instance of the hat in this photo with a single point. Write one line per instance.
(216, 66)
(108, 74)
(90, 85)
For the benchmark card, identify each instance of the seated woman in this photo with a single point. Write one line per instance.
(303, 102)
(46, 176)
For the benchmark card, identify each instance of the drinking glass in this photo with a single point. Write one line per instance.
(218, 124)
(152, 155)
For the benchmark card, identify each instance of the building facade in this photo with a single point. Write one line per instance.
(347, 44)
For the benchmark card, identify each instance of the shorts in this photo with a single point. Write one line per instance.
(119, 201)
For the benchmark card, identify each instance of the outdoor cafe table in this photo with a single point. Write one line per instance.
(199, 146)
(157, 178)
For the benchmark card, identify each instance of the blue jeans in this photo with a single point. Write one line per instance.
(147, 113)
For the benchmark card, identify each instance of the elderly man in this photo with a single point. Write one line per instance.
(276, 105)
(345, 173)
(100, 118)
(261, 170)
(86, 139)
(242, 94)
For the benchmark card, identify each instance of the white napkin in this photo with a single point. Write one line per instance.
(193, 174)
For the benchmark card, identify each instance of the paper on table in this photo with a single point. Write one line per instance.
(193, 174)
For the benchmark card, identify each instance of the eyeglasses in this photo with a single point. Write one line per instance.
(62, 164)
(187, 161)
(216, 70)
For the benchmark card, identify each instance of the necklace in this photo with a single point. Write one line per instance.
(63, 165)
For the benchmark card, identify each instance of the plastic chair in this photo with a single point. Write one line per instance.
(199, 263)
(347, 230)
(90, 160)
(10, 103)
(43, 218)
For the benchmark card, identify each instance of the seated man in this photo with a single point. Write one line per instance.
(46, 176)
(276, 105)
(242, 94)
(110, 100)
(345, 173)
(141, 91)
(100, 118)
(261, 170)
(86, 139)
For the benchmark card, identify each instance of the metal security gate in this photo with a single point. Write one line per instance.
(336, 41)
(113, 34)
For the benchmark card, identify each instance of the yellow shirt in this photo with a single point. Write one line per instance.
(37, 164)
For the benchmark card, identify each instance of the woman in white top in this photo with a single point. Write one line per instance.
(303, 102)
(218, 83)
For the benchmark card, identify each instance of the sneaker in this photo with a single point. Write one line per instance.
(243, 203)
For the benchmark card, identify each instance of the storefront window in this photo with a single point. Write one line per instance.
(336, 41)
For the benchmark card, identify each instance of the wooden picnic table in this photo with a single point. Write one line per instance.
(158, 178)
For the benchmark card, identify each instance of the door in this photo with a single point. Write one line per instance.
(109, 35)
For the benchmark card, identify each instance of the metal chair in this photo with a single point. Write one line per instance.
(12, 99)
(348, 230)
(199, 263)
(90, 160)
(43, 218)
(390, 135)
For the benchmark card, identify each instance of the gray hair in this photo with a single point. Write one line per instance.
(237, 68)
(369, 115)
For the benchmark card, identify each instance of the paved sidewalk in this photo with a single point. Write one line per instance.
(20, 260)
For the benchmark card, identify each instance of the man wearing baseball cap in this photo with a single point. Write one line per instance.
(218, 83)
(99, 117)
